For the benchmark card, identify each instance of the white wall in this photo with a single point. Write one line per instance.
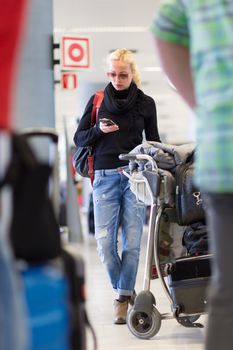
(109, 26)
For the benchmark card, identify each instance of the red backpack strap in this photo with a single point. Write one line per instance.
(99, 95)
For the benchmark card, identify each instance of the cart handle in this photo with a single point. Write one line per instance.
(139, 157)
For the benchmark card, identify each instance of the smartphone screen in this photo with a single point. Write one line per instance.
(107, 122)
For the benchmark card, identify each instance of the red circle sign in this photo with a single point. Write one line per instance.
(76, 52)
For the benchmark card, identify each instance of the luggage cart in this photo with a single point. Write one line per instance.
(184, 280)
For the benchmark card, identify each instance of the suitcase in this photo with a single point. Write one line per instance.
(188, 280)
(47, 294)
(55, 301)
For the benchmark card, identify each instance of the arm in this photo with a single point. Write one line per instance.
(175, 60)
(85, 135)
(172, 38)
(151, 125)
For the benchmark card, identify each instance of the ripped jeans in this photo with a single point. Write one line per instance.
(116, 206)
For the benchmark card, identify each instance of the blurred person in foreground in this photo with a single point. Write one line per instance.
(14, 334)
(132, 112)
(194, 39)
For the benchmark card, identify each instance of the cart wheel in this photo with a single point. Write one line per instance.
(144, 325)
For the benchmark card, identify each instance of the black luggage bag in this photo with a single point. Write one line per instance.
(188, 280)
(189, 203)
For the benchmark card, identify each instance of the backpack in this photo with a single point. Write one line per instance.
(83, 156)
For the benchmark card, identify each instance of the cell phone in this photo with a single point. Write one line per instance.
(107, 122)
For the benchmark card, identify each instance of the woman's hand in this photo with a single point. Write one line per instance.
(110, 128)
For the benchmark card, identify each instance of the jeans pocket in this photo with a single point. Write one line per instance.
(97, 181)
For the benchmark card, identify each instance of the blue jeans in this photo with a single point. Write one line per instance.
(114, 206)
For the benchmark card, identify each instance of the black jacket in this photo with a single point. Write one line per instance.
(133, 111)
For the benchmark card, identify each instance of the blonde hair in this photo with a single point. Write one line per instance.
(126, 56)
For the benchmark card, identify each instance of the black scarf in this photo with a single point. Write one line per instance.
(118, 102)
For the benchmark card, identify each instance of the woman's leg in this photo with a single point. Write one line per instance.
(132, 220)
(106, 199)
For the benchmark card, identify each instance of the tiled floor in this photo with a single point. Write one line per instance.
(171, 335)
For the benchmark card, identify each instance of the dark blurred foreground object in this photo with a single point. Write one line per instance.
(53, 280)
(34, 230)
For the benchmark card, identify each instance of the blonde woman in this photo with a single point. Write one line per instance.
(131, 112)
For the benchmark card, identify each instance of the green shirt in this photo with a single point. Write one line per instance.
(206, 28)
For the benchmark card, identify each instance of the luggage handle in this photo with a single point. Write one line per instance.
(47, 132)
